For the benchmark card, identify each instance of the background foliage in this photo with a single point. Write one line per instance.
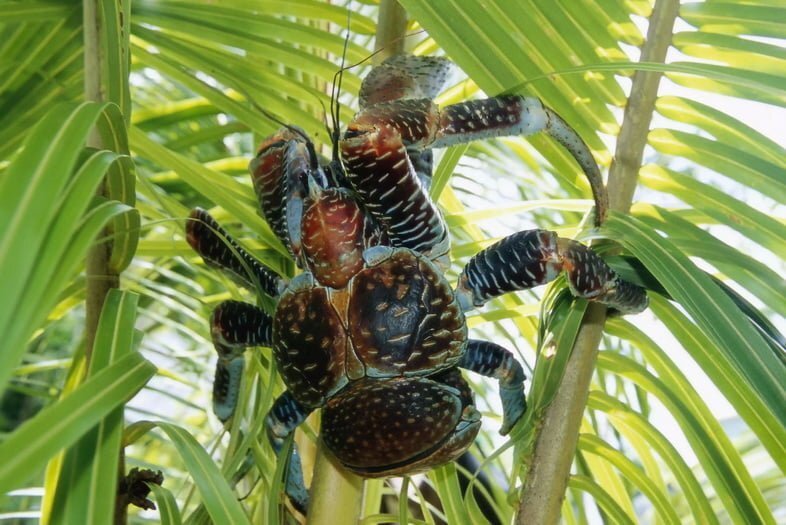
(653, 446)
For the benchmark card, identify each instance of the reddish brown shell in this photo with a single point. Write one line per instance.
(397, 317)
(404, 318)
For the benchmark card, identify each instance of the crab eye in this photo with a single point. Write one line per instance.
(352, 133)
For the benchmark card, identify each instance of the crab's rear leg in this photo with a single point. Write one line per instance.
(491, 360)
(533, 257)
(220, 250)
(236, 326)
(422, 124)
(286, 415)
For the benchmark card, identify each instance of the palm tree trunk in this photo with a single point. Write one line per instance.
(100, 277)
(547, 477)
(336, 495)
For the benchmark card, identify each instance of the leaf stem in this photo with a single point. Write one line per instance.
(555, 446)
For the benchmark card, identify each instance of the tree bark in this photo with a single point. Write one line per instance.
(336, 494)
(555, 446)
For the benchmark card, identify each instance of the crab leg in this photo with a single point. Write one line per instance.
(491, 360)
(420, 123)
(407, 77)
(285, 415)
(380, 172)
(235, 326)
(532, 257)
(220, 250)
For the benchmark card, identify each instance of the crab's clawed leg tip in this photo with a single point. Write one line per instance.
(590, 277)
(561, 131)
(285, 415)
(514, 405)
(492, 360)
(226, 386)
(296, 487)
(629, 298)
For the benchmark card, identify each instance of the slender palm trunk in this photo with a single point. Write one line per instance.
(101, 278)
(547, 477)
(336, 495)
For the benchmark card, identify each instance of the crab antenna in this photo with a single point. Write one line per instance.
(309, 144)
(336, 92)
(324, 118)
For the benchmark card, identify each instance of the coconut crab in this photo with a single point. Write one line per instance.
(372, 332)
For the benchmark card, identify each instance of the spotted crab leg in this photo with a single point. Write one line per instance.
(235, 326)
(403, 77)
(392, 127)
(492, 360)
(380, 172)
(533, 257)
(220, 250)
(285, 415)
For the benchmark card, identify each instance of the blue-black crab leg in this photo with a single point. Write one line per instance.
(491, 360)
(420, 123)
(284, 416)
(235, 326)
(220, 250)
(533, 257)
(408, 77)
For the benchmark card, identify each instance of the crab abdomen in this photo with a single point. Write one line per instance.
(384, 427)
(403, 317)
